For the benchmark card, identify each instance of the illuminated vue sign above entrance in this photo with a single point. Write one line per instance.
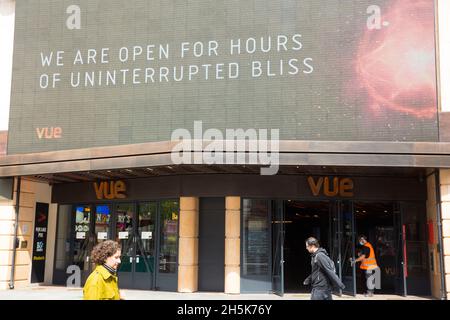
(114, 72)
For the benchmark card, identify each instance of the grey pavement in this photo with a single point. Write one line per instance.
(64, 293)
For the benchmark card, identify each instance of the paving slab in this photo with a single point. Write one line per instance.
(64, 293)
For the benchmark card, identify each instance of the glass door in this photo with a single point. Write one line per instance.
(81, 245)
(278, 247)
(256, 245)
(167, 271)
(102, 223)
(342, 244)
(124, 235)
(335, 237)
(402, 268)
(347, 247)
(147, 233)
(147, 230)
(144, 261)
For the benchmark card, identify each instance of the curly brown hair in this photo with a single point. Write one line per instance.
(103, 251)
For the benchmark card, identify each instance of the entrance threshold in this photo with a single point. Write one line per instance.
(301, 296)
(67, 293)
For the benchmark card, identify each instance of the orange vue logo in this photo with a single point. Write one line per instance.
(49, 133)
(331, 188)
(110, 190)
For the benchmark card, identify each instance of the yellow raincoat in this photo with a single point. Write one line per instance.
(101, 285)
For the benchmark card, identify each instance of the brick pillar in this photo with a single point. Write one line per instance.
(445, 205)
(232, 244)
(188, 245)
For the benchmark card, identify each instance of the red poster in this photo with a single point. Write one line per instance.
(430, 232)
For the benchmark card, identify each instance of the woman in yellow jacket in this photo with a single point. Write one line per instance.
(102, 283)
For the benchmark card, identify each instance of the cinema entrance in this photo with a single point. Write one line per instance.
(146, 230)
(395, 229)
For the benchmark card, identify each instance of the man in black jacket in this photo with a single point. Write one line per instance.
(323, 274)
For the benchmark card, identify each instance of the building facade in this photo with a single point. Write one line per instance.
(352, 97)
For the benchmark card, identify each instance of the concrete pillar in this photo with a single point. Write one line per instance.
(232, 244)
(445, 205)
(7, 218)
(27, 208)
(30, 193)
(188, 245)
(433, 248)
(22, 273)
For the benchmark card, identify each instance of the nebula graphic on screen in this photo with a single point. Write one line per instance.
(395, 65)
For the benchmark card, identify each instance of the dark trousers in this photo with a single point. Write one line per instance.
(321, 294)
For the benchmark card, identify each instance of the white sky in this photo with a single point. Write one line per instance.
(444, 54)
(6, 50)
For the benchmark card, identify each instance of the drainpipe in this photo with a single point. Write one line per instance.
(15, 244)
(440, 239)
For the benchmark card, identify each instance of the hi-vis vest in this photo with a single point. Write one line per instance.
(370, 262)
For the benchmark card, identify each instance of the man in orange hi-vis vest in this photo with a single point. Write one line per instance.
(368, 263)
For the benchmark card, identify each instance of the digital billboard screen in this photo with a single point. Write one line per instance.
(111, 72)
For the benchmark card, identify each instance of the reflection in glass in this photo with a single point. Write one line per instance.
(81, 242)
(414, 221)
(145, 259)
(124, 234)
(102, 218)
(169, 236)
(255, 241)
